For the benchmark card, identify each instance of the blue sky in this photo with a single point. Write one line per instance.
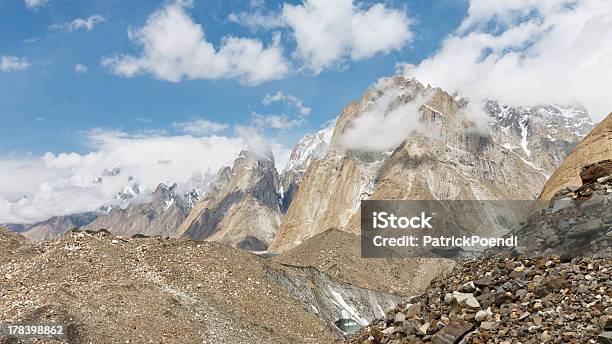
(170, 91)
(47, 106)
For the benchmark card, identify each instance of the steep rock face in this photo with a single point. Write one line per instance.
(243, 210)
(447, 157)
(596, 146)
(310, 148)
(57, 226)
(160, 215)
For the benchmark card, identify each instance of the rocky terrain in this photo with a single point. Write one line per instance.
(109, 289)
(243, 209)
(555, 288)
(506, 301)
(577, 221)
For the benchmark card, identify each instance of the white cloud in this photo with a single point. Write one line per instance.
(174, 47)
(11, 63)
(87, 24)
(287, 98)
(526, 52)
(262, 147)
(200, 127)
(34, 189)
(278, 122)
(80, 68)
(257, 20)
(329, 32)
(34, 4)
(79, 23)
(384, 126)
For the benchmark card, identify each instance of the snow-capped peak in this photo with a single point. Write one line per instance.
(310, 147)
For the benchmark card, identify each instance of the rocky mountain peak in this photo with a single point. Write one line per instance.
(444, 154)
(128, 192)
(165, 192)
(242, 209)
(310, 148)
(250, 170)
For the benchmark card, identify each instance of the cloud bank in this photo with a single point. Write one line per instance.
(528, 52)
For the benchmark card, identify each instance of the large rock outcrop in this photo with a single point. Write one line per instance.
(596, 146)
(242, 210)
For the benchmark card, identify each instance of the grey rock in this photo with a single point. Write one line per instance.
(586, 228)
(593, 204)
(468, 287)
(388, 330)
(561, 204)
(480, 315)
(483, 282)
(605, 337)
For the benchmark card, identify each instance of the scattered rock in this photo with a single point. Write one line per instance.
(527, 300)
(480, 316)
